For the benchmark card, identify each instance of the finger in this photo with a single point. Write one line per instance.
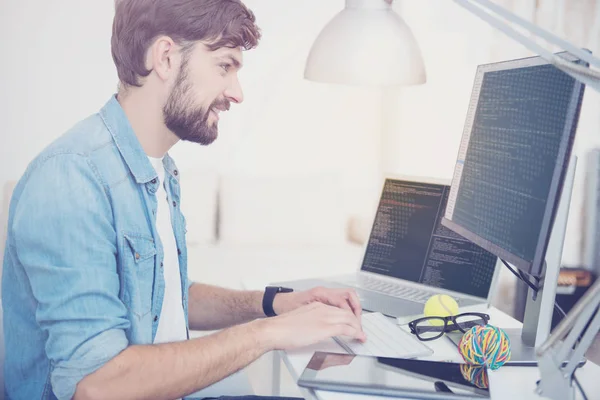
(340, 301)
(343, 298)
(350, 331)
(339, 316)
(351, 307)
(355, 304)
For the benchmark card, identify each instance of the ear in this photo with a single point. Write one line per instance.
(163, 58)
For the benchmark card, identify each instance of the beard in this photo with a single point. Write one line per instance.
(186, 120)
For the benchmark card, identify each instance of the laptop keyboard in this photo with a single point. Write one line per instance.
(384, 339)
(395, 290)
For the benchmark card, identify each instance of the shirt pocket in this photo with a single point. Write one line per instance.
(139, 259)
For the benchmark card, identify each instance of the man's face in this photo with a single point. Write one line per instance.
(206, 85)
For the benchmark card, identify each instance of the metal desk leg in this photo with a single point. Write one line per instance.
(276, 378)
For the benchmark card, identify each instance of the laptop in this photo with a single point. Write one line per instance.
(410, 256)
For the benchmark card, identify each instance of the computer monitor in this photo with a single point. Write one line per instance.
(511, 169)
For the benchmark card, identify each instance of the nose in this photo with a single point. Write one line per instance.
(234, 91)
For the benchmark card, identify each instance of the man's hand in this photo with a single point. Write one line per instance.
(308, 325)
(346, 299)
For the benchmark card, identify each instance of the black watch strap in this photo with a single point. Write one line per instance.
(269, 296)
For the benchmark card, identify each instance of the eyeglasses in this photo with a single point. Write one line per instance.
(430, 328)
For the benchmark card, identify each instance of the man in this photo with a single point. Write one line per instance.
(96, 300)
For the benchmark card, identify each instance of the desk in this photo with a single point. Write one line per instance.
(505, 383)
(510, 383)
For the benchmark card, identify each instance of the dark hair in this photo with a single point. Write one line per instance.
(220, 23)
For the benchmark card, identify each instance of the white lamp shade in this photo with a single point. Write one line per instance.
(366, 44)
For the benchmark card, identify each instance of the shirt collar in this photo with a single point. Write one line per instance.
(131, 150)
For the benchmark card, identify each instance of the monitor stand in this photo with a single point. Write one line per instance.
(539, 309)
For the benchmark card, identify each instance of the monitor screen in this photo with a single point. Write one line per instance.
(409, 242)
(513, 158)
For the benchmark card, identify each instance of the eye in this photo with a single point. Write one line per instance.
(225, 67)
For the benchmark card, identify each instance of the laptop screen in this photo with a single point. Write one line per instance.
(409, 242)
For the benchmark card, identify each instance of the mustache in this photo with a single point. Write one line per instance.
(222, 105)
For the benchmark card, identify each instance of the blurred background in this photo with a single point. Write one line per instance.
(57, 69)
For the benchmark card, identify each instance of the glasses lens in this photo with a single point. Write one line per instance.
(467, 321)
(430, 328)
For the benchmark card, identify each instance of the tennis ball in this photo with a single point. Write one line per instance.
(440, 305)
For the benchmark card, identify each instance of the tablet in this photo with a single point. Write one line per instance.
(395, 377)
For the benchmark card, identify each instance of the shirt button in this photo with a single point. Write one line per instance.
(154, 181)
(161, 265)
(176, 172)
(174, 204)
(179, 251)
(155, 318)
(137, 256)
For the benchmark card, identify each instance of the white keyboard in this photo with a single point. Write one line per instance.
(395, 290)
(384, 339)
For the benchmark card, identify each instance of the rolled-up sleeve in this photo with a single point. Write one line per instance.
(66, 241)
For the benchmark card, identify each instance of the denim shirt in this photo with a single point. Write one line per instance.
(82, 276)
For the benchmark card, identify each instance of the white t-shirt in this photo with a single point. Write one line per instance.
(171, 325)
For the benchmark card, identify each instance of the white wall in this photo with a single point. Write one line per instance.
(59, 70)
(56, 69)
(425, 122)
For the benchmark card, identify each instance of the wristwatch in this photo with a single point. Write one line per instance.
(269, 296)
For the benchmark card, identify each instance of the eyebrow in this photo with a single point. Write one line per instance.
(236, 63)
